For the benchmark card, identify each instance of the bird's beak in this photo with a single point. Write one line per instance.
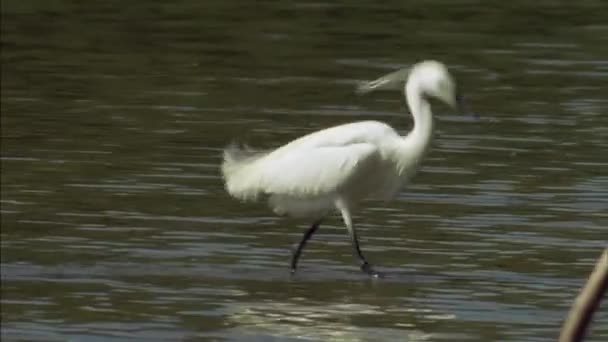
(460, 105)
(393, 81)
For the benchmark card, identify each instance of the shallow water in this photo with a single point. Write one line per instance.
(115, 224)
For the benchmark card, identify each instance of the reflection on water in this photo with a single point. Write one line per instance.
(116, 226)
(324, 323)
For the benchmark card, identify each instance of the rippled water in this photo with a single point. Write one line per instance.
(115, 224)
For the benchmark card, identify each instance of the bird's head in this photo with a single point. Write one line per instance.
(432, 79)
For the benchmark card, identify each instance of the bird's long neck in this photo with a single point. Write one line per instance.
(421, 111)
(416, 143)
(419, 138)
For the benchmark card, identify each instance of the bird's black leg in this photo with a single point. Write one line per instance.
(365, 266)
(298, 249)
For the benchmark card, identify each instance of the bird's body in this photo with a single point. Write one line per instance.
(337, 167)
(306, 177)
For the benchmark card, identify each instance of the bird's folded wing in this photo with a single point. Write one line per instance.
(303, 173)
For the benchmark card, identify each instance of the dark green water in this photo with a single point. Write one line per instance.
(116, 226)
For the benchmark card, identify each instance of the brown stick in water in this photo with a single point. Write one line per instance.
(575, 325)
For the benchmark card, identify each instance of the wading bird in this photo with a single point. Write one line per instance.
(337, 167)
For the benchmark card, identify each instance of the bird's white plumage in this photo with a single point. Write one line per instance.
(342, 164)
(304, 176)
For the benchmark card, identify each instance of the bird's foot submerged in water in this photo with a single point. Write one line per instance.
(295, 256)
(367, 268)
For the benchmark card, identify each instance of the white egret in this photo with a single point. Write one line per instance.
(337, 167)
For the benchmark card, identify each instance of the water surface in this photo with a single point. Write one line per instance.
(116, 226)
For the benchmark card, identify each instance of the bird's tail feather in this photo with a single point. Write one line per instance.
(237, 159)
